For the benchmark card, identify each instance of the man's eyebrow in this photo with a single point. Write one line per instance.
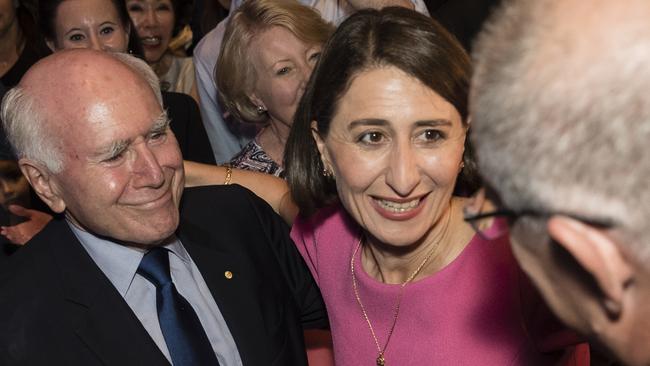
(117, 147)
(160, 124)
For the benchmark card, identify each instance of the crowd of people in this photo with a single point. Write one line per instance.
(324, 183)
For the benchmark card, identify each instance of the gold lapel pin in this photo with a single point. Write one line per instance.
(228, 275)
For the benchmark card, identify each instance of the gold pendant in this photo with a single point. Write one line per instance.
(380, 360)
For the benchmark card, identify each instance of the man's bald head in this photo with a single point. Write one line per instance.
(560, 107)
(50, 98)
(119, 171)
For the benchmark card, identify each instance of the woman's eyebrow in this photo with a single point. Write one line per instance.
(433, 122)
(368, 122)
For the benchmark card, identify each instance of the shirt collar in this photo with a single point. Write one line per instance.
(120, 262)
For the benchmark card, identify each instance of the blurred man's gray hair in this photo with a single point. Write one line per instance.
(24, 121)
(561, 111)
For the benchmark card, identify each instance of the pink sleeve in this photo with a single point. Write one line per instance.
(303, 235)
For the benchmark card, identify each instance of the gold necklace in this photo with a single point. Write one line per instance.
(381, 361)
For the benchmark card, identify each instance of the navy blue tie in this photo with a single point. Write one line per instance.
(186, 340)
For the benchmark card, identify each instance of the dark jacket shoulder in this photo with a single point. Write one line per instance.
(245, 223)
(188, 127)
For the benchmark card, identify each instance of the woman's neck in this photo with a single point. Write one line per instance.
(11, 45)
(273, 138)
(438, 248)
(161, 67)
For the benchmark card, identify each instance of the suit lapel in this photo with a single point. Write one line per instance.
(232, 287)
(100, 316)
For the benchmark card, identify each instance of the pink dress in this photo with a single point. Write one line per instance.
(479, 310)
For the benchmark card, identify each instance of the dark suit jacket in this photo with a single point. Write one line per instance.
(188, 127)
(58, 308)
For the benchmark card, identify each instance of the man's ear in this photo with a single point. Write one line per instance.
(41, 180)
(599, 255)
(320, 144)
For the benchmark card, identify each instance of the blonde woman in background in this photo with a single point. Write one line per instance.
(269, 50)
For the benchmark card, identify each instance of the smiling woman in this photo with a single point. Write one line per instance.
(395, 160)
(269, 50)
(108, 35)
(377, 149)
(156, 23)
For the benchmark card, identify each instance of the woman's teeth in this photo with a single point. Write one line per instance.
(151, 41)
(398, 207)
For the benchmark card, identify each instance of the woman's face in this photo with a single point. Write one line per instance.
(154, 22)
(283, 64)
(7, 15)
(89, 24)
(14, 188)
(395, 148)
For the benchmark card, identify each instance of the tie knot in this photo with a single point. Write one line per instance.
(155, 267)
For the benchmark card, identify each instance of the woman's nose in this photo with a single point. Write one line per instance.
(403, 173)
(149, 17)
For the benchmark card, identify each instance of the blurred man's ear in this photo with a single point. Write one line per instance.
(599, 255)
(40, 178)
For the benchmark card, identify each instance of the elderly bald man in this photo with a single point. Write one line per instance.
(124, 278)
(561, 124)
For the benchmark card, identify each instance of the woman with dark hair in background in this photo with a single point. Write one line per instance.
(377, 149)
(157, 23)
(20, 43)
(112, 34)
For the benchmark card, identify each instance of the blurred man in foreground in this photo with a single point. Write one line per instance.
(561, 124)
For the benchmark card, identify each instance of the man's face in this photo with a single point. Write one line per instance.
(122, 171)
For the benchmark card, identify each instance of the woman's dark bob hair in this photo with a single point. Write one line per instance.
(393, 36)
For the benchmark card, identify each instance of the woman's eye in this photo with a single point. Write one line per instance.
(134, 8)
(283, 71)
(315, 56)
(432, 135)
(76, 37)
(371, 137)
(163, 7)
(107, 30)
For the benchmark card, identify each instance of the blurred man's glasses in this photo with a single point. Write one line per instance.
(483, 224)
